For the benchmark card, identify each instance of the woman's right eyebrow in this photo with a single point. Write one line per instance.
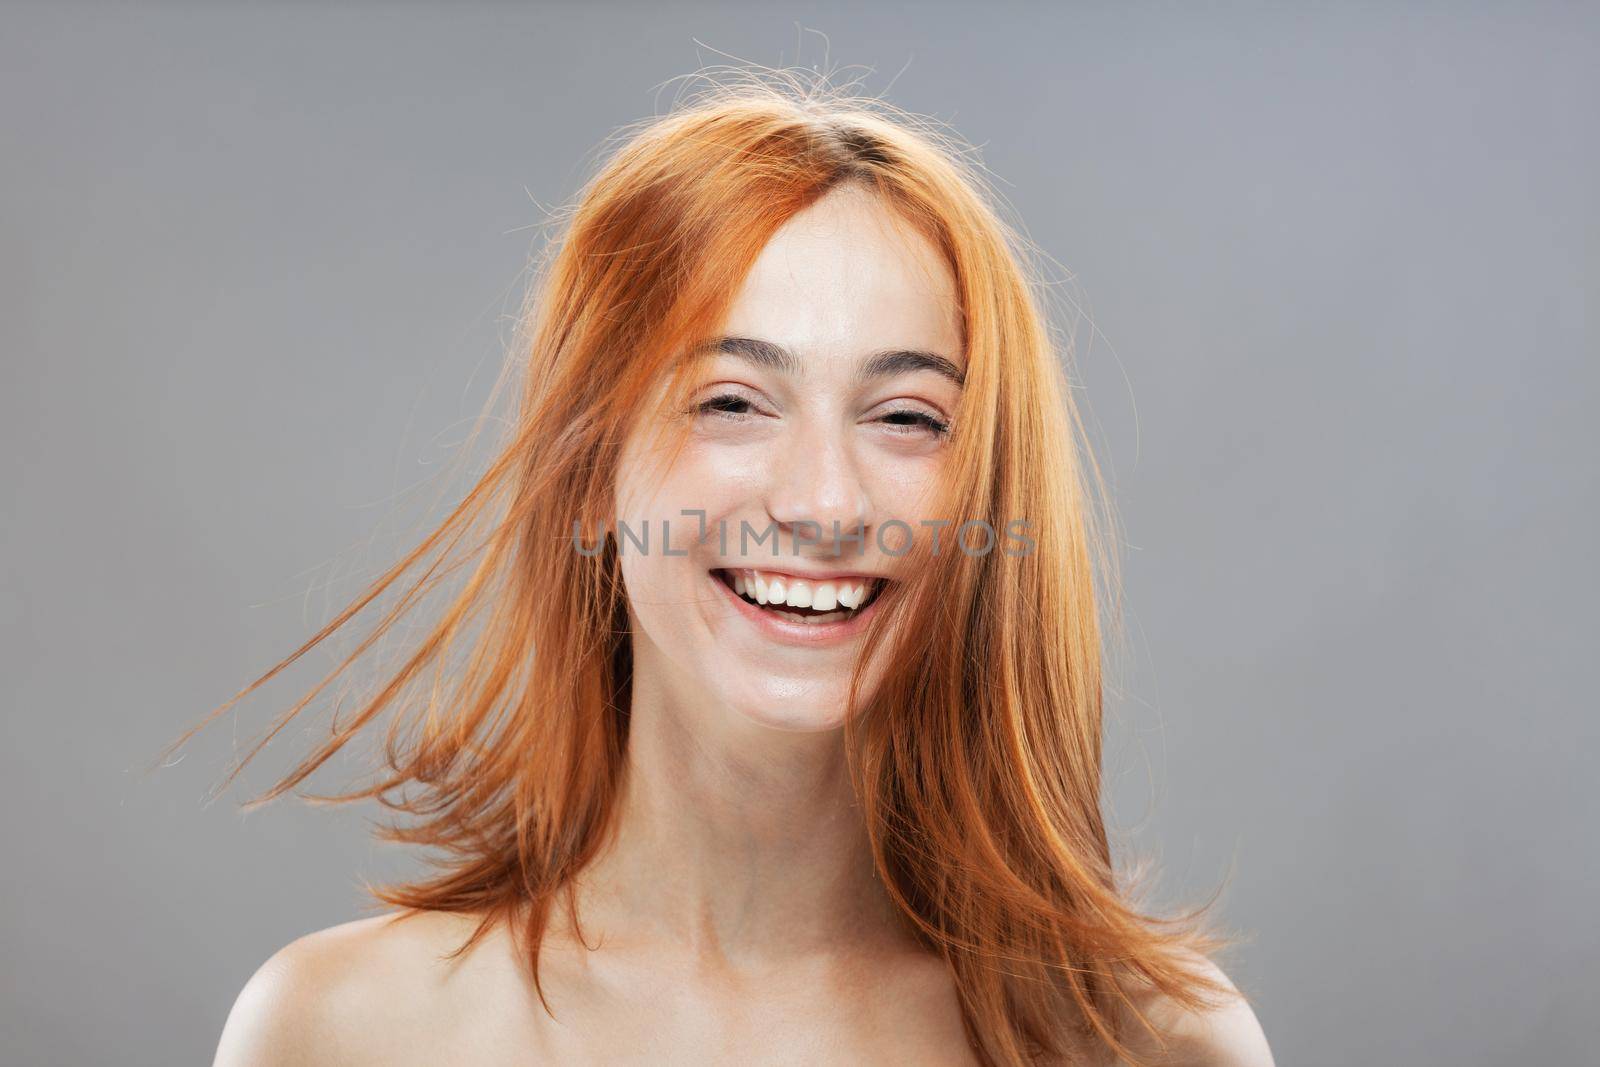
(767, 354)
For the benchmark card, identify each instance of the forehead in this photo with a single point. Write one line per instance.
(848, 276)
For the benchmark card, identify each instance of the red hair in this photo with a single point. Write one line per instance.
(977, 759)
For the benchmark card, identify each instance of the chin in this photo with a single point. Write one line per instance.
(782, 705)
(798, 698)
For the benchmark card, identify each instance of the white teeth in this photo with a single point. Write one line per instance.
(787, 591)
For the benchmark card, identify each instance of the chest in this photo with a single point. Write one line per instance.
(905, 1014)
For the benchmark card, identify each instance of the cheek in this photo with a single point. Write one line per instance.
(721, 475)
(662, 514)
(904, 487)
(718, 479)
(642, 586)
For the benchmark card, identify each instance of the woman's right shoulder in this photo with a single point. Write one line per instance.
(375, 990)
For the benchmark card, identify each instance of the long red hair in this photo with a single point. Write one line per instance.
(976, 760)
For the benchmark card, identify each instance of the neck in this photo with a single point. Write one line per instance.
(735, 842)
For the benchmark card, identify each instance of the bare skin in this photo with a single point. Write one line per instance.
(736, 917)
(377, 991)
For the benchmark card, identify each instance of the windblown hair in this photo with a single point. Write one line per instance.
(977, 758)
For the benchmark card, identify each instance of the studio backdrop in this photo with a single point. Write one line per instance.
(1329, 273)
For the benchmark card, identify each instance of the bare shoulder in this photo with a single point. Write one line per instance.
(376, 990)
(1226, 1035)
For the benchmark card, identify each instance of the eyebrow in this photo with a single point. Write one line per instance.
(773, 356)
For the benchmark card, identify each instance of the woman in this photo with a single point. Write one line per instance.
(776, 733)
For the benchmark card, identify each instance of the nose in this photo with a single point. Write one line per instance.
(815, 480)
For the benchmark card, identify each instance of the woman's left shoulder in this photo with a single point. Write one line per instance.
(1227, 1034)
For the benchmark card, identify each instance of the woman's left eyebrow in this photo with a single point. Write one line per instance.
(905, 361)
(890, 361)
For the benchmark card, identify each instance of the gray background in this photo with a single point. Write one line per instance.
(1340, 268)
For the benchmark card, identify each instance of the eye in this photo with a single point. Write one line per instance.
(727, 406)
(908, 421)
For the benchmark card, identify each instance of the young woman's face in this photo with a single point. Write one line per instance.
(820, 413)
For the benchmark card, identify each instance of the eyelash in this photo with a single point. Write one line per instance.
(931, 423)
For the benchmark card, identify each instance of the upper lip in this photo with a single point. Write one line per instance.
(809, 576)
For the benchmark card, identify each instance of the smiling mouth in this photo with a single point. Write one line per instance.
(809, 601)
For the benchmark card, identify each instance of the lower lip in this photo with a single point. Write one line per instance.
(804, 634)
